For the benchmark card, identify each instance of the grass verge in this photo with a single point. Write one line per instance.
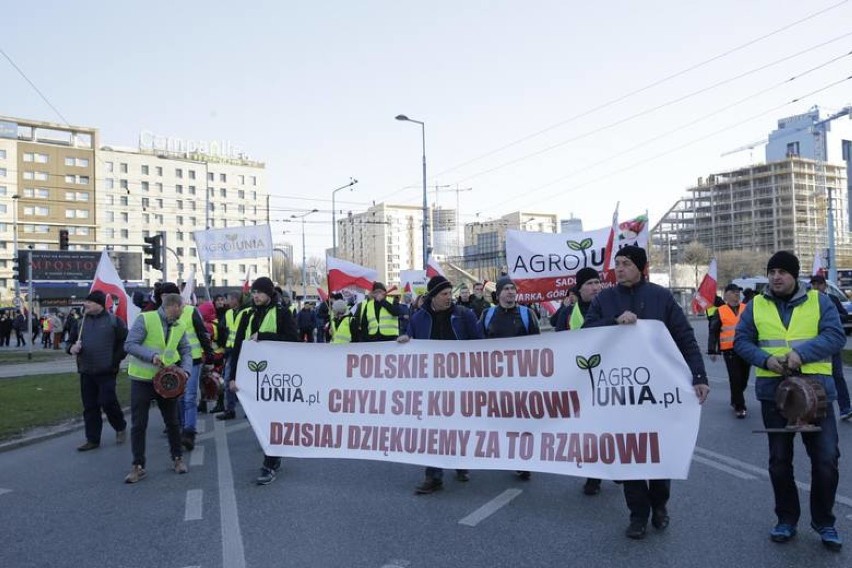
(45, 400)
(39, 355)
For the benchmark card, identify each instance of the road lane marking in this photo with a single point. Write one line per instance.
(230, 430)
(2, 491)
(490, 508)
(233, 553)
(194, 505)
(722, 467)
(200, 426)
(197, 456)
(396, 563)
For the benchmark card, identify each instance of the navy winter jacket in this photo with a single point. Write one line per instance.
(463, 322)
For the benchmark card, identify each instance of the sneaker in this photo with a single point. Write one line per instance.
(180, 466)
(463, 475)
(660, 518)
(845, 414)
(216, 409)
(636, 530)
(187, 440)
(429, 486)
(592, 487)
(830, 539)
(523, 475)
(266, 476)
(136, 474)
(782, 532)
(741, 413)
(227, 415)
(121, 436)
(88, 446)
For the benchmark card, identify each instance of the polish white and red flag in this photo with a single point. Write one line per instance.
(609, 254)
(247, 281)
(107, 281)
(342, 274)
(433, 268)
(706, 293)
(818, 268)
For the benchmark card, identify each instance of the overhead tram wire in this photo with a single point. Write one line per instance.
(665, 153)
(651, 85)
(640, 90)
(650, 110)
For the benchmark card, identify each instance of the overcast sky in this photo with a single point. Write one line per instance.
(553, 106)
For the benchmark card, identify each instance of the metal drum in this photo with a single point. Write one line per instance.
(803, 402)
(170, 382)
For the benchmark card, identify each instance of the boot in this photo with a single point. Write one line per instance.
(187, 440)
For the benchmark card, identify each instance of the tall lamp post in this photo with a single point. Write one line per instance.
(425, 210)
(352, 182)
(304, 260)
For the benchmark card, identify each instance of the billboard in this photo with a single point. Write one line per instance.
(67, 265)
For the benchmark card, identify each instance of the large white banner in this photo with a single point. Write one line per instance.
(543, 265)
(611, 403)
(251, 241)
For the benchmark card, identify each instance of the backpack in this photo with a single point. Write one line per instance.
(525, 317)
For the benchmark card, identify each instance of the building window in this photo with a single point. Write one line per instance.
(192, 190)
(241, 194)
(2, 154)
(179, 219)
(109, 183)
(223, 192)
(159, 203)
(192, 205)
(159, 187)
(191, 174)
(144, 170)
(145, 203)
(122, 168)
(179, 188)
(109, 233)
(211, 176)
(793, 149)
(110, 216)
(41, 176)
(78, 162)
(254, 180)
(70, 179)
(122, 183)
(242, 179)
(110, 167)
(178, 173)
(223, 178)
(122, 201)
(160, 171)
(124, 217)
(180, 204)
(125, 233)
(83, 180)
(146, 186)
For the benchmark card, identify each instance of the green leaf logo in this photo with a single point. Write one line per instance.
(574, 245)
(588, 365)
(252, 366)
(585, 244)
(263, 364)
(582, 362)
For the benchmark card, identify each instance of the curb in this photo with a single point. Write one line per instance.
(41, 434)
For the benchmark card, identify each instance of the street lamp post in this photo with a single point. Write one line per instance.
(425, 210)
(304, 260)
(352, 182)
(15, 199)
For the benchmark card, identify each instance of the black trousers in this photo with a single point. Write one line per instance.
(141, 395)
(738, 370)
(643, 496)
(98, 393)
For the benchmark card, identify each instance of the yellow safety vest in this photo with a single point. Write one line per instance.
(387, 325)
(268, 325)
(154, 339)
(342, 332)
(186, 320)
(232, 321)
(577, 319)
(711, 311)
(776, 340)
(729, 321)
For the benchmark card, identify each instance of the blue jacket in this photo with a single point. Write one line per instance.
(463, 322)
(829, 341)
(650, 301)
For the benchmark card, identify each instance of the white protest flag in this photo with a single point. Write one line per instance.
(107, 281)
(189, 287)
(615, 402)
(817, 266)
(251, 241)
(342, 273)
(433, 268)
(611, 243)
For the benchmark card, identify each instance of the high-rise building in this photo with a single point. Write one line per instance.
(57, 177)
(572, 225)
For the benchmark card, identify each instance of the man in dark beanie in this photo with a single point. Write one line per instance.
(785, 331)
(588, 285)
(265, 320)
(98, 344)
(440, 319)
(375, 318)
(634, 298)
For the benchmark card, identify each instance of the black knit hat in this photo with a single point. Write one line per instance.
(502, 282)
(379, 286)
(169, 288)
(264, 284)
(637, 255)
(586, 274)
(436, 284)
(97, 297)
(786, 261)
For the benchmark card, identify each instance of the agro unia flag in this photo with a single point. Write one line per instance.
(342, 274)
(107, 281)
(413, 281)
(543, 265)
(251, 241)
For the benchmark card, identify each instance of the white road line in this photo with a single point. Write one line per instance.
(194, 505)
(233, 553)
(200, 426)
(722, 467)
(396, 563)
(231, 429)
(490, 508)
(2, 491)
(197, 456)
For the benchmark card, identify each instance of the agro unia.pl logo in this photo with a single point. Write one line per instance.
(276, 387)
(624, 386)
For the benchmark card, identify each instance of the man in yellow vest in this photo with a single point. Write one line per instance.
(267, 320)
(341, 324)
(202, 350)
(376, 319)
(156, 339)
(789, 330)
(232, 323)
(721, 340)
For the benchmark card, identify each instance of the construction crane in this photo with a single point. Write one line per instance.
(819, 130)
(749, 147)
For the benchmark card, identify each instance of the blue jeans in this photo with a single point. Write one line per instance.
(230, 397)
(840, 383)
(189, 400)
(824, 454)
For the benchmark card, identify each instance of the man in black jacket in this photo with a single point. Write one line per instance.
(632, 299)
(99, 346)
(266, 321)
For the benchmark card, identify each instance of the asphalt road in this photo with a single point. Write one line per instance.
(61, 508)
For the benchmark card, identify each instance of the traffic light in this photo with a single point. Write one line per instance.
(16, 267)
(63, 239)
(154, 251)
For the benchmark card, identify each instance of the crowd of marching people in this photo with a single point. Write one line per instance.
(787, 330)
